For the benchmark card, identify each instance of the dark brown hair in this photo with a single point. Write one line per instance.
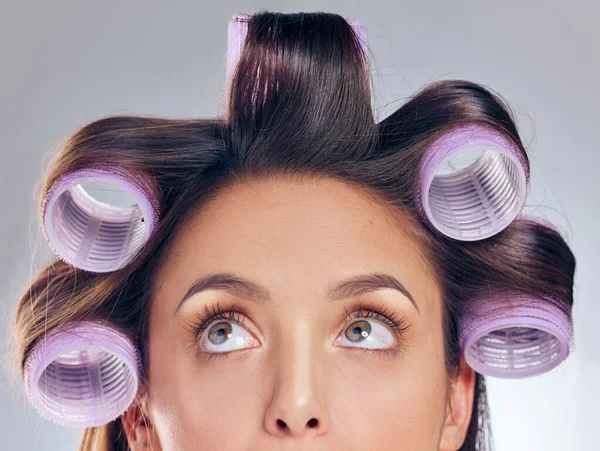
(299, 106)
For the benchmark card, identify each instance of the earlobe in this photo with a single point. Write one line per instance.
(139, 429)
(460, 409)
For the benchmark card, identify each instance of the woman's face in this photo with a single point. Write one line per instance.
(298, 359)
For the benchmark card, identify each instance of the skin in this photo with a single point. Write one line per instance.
(296, 383)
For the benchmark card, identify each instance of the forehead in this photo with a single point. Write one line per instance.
(288, 233)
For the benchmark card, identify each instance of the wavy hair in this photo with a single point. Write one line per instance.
(299, 105)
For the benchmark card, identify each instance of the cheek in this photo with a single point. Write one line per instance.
(383, 401)
(196, 402)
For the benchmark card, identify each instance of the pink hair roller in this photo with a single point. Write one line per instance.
(481, 199)
(83, 374)
(94, 235)
(515, 338)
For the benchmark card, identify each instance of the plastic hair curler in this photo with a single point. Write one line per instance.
(518, 337)
(515, 338)
(238, 29)
(468, 200)
(94, 235)
(83, 374)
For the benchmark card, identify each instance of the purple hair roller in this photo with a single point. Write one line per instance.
(83, 374)
(475, 201)
(94, 235)
(515, 338)
(238, 29)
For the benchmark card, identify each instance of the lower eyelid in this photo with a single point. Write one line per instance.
(390, 351)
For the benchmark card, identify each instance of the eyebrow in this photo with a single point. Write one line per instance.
(254, 292)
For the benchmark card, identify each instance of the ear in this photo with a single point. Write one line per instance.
(459, 408)
(141, 434)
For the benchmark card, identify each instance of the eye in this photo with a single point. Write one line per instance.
(226, 336)
(221, 332)
(367, 334)
(373, 329)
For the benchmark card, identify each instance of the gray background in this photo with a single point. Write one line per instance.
(65, 63)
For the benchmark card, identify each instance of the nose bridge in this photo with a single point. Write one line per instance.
(298, 405)
(297, 356)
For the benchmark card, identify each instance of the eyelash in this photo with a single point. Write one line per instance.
(397, 324)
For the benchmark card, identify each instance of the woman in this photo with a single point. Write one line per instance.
(286, 285)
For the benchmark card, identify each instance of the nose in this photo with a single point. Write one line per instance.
(297, 408)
